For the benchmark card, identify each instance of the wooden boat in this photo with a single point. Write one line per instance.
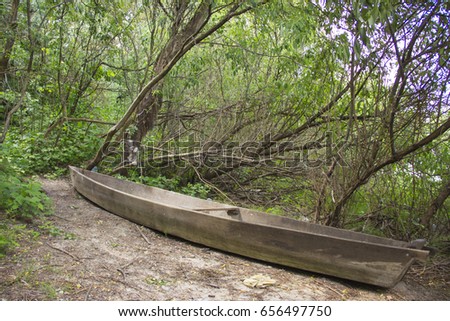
(326, 250)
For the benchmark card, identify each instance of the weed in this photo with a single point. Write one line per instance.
(154, 281)
(172, 184)
(50, 229)
(27, 274)
(11, 233)
(196, 190)
(70, 236)
(7, 241)
(21, 198)
(48, 289)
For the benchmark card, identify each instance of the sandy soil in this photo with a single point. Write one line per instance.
(95, 255)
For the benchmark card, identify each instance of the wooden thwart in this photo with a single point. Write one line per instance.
(229, 210)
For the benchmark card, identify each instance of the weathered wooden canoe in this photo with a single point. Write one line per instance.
(336, 252)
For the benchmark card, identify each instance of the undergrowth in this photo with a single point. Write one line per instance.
(21, 201)
(37, 154)
(172, 184)
(20, 197)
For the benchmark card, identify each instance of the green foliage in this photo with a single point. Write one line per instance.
(172, 184)
(154, 281)
(49, 228)
(279, 70)
(33, 153)
(12, 234)
(196, 190)
(276, 210)
(48, 289)
(21, 198)
(393, 204)
(7, 97)
(7, 239)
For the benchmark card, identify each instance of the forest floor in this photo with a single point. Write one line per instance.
(91, 254)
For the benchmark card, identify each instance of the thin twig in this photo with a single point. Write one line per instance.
(63, 218)
(64, 251)
(131, 262)
(126, 284)
(79, 291)
(329, 288)
(122, 272)
(143, 236)
(401, 297)
(211, 185)
(121, 269)
(213, 285)
(88, 120)
(88, 292)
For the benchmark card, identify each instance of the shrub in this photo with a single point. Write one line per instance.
(13, 233)
(172, 184)
(7, 241)
(21, 198)
(35, 154)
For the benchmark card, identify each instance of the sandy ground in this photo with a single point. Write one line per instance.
(95, 255)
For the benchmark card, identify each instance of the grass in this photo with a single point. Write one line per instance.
(154, 281)
(13, 233)
(48, 289)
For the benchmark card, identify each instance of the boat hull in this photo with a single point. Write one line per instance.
(344, 254)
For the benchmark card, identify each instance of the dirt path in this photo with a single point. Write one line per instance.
(95, 255)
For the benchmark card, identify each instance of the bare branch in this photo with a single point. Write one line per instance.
(189, 44)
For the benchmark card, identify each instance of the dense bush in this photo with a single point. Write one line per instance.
(7, 240)
(172, 184)
(310, 110)
(20, 197)
(36, 154)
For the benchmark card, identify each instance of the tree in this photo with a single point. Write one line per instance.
(189, 27)
(10, 30)
(4, 62)
(436, 204)
(333, 111)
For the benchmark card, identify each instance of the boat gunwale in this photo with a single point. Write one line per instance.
(419, 252)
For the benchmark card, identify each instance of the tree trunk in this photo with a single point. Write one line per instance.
(436, 204)
(26, 82)
(12, 26)
(179, 44)
(149, 107)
